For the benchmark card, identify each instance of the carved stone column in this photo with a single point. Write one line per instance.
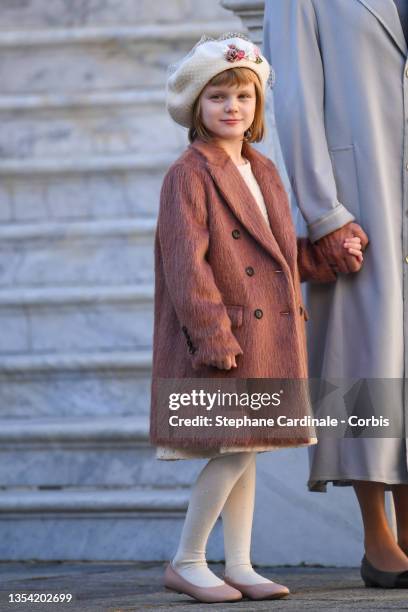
(251, 13)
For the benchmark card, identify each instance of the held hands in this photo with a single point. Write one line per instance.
(354, 247)
(343, 248)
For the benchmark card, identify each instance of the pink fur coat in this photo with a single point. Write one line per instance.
(225, 282)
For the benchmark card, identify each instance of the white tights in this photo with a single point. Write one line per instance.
(226, 484)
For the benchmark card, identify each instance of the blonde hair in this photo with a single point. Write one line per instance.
(232, 77)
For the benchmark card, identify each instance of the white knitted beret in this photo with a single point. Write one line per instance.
(209, 57)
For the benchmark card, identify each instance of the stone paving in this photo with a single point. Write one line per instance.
(127, 586)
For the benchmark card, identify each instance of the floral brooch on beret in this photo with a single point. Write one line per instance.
(233, 54)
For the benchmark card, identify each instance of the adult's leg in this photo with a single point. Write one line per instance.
(208, 497)
(381, 548)
(400, 494)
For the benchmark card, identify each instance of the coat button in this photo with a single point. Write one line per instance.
(258, 313)
(236, 234)
(250, 271)
(278, 271)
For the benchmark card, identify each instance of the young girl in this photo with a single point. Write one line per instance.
(228, 302)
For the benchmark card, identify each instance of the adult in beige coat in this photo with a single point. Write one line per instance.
(341, 100)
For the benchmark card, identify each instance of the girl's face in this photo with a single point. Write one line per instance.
(228, 111)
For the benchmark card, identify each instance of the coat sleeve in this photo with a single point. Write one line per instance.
(184, 239)
(312, 265)
(292, 46)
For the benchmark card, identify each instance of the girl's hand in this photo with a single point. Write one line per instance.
(354, 247)
(227, 363)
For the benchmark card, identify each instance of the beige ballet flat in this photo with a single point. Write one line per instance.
(219, 594)
(263, 590)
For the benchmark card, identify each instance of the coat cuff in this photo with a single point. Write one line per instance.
(313, 266)
(336, 218)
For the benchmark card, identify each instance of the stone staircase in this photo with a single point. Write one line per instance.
(84, 143)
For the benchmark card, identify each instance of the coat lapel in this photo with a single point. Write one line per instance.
(387, 14)
(238, 196)
(276, 203)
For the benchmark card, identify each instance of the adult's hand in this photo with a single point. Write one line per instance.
(332, 248)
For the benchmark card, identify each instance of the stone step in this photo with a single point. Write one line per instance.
(83, 165)
(96, 58)
(76, 319)
(139, 523)
(100, 252)
(134, 500)
(68, 102)
(35, 14)
(119, 122)
(75, 188)
(68, 362)
(93, 384)
(108, 451)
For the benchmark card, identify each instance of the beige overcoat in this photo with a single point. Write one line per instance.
(341, 105)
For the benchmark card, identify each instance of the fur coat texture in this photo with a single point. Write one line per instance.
(226, 282)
